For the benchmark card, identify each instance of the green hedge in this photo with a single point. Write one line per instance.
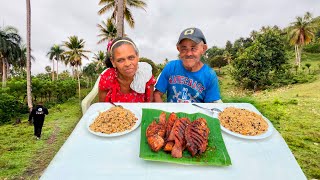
(10, 107)
(13, 101)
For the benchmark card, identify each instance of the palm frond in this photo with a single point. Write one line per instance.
(128, 17)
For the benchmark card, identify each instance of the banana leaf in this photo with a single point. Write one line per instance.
(215, 155)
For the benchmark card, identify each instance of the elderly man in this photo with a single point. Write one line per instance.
(188, 79)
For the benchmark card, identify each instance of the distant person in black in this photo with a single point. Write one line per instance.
(38, 114)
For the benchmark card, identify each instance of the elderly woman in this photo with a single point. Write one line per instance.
(126, 80)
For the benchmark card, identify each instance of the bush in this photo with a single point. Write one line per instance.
(312, 48)
(13, 97)
(10, 107)
(302, 78)
(258, 65)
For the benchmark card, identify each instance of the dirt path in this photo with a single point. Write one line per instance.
(42, 158)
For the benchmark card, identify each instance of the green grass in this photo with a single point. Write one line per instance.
(294, 112)
(311, 58)
(23, 157)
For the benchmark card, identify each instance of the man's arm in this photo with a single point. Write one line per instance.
(46, 112)
(151, 93)
(157, 96)
(30, 116)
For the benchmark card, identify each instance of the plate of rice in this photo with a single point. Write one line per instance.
(114, 121)
(244, 124)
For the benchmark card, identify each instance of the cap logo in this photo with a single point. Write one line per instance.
(188, 31)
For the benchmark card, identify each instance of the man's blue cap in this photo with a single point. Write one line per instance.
(193, 34)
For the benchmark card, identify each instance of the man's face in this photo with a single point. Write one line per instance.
(190, 53)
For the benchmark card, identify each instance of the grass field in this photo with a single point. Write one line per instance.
(294, 111)
(24, 157)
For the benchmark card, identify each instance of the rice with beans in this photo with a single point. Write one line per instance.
(243, 121)
(115, 119)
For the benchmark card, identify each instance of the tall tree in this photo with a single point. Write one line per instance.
(9, 49)
(228, 46)
(90, 72)
(265, 57)
(55, 53)
(120, 11)
(29, 95)
(227, 56)
(120, 20)
(19, 65)
(74, 54)
(108, 30)
(301, 33)
(48, 69)
(99, 59)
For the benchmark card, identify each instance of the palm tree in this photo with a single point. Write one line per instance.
(227, 56)
(109, 5)
(20, 63)
(99, 60)
(29, 95)
(253, 34)
(9, 49)
(55, 53)
(120, 19)
(301, 33)
(108, 31)
(75, 53)
(48, 69)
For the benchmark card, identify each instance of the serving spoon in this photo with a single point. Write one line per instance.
(115, 104)
(208, 109)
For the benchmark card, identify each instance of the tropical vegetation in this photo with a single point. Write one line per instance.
(75, 52)
(56, 53)
(273, 67)
(110, 5)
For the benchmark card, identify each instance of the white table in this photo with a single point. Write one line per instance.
(86, 156)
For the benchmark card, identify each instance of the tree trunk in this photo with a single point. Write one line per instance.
(299, 57)
(120, 20)
(8, 71)
(4, 69)
(28, 63)
(52, 70)
(57, 69)
(296, 53)
(73, 72)
(78, 81)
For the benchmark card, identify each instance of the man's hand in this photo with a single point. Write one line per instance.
(157, 96)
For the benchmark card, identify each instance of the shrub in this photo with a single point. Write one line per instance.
(254, 66)
(312, 48)
(10, 107)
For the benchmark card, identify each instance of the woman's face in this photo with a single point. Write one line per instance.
(125, 59)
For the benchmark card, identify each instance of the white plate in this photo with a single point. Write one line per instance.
(135, 110)
(261, 136)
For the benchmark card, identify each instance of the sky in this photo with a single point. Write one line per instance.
(157, 28)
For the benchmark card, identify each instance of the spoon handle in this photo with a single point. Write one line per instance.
(201, 107)
(115, 104)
